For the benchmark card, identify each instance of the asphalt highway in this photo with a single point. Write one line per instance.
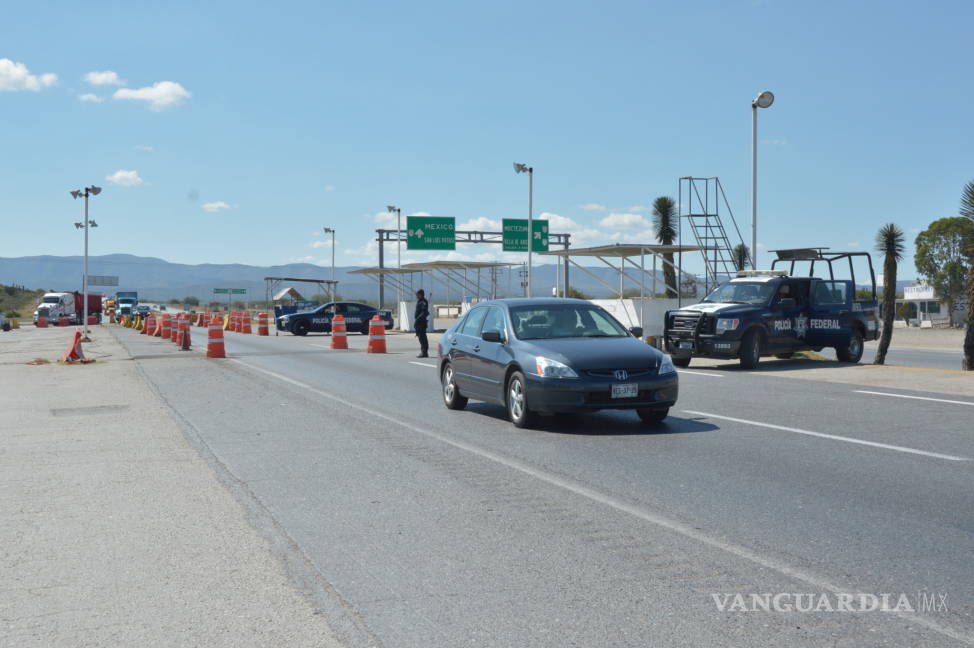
(413, 525)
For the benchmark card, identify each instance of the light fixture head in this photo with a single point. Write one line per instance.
(391, 208)
(329, 230)
(79, 225)
(94, 190)
(764, 100)
(92, 223)
(76, 194)
(520, 168)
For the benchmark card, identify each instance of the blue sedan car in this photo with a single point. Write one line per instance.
(553, 356)
(318, 320)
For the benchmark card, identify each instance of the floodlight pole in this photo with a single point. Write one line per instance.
(530, 224)
(329, 230)
(84, 287)
(763, 100)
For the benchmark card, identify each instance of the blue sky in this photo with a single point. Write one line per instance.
(279, 119)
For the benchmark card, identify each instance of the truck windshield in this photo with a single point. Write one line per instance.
(52, 300)
(735, 292)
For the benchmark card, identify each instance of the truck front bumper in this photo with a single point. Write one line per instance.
(705, 346)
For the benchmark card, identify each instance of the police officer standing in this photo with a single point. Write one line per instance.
(420, 322)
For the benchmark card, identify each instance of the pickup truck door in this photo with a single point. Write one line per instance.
(830, 313)
(784, 320)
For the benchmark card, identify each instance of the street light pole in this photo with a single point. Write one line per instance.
(88, 191)
(523, 168)
(398, 211)
(763, 100)
(329, 230)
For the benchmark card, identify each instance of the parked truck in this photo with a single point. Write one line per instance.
(125, 302)
(56, 305)
(778, 312)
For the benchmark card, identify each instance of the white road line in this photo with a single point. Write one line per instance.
(422, 364)
(623, 506)
(924, 398)
(699, 373)
(833, 437)
(320, 346)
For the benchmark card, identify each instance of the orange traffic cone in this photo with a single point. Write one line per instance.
(74, 354)
(262, 324)
(245, 329)
(177, 330)
(377, 335)
(184, 334)
(339, 336)
(214, 345)
(149, 323)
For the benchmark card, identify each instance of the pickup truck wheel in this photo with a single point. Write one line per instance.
(681, 362)
(852, 352)
(751, 350)
(301, 327)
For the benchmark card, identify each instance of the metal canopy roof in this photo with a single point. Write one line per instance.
(623, 250)
(457, 265)
(288, 292)
(382, 271)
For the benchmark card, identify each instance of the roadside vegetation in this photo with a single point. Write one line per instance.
(17, 301)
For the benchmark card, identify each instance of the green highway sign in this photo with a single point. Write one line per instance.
(221, 291)
(516, 235)
(239, 291)
(228, 291)
(431, 233)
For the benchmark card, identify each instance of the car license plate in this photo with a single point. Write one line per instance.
(625, 391)
(686, 345)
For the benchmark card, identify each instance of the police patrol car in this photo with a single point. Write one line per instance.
(759, 313)
(318, 320)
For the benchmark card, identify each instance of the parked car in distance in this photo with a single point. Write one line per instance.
(553, 356)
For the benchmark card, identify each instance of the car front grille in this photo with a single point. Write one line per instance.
(611, 373)
(687, 323)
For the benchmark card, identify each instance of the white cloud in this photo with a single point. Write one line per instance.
(593, 207)
(124, 178)
(637, 208)
(103, 78)
(775, 142)
(625, 221)
(580, 234)
(144, 148)
(325, 244)
(16, 76)
(159, 96)
(305, 259)
(215, 206)
(385, 220)
(481, 224)
(90, 98)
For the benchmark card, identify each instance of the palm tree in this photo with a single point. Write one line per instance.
(741, 256)
(667, 223)
(889, 243)
(967, 211)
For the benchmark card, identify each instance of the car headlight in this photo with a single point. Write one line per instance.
(549, 368)
(666, 365)
(727, 324)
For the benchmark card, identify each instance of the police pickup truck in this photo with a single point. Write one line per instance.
(318, 320)
(761, 313)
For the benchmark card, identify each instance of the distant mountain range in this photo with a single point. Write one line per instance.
(159, 280)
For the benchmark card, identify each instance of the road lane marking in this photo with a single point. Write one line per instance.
(699, 373)
(422, 364)
(923, 398)
(620, 505)
(320, 346)
(833, 437)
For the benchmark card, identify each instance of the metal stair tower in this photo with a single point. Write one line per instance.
(700, 202)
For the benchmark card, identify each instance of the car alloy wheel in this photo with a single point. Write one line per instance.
(517, 401)
(451, 393)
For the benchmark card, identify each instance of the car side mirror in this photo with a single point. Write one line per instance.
(637, 331)
(491, 336)
(787, 302)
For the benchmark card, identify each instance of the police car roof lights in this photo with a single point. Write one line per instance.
(762, 273)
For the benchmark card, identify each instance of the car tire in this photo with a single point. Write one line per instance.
(517, 401)
(301, 327)
(853, 351)
(452, 397)
(653, 416)
(681, 362)
(751, 350)
(785, 356)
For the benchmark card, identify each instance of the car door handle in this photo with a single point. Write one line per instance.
(453, 341)
(477, 348)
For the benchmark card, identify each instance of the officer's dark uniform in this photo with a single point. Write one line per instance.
(420, 322)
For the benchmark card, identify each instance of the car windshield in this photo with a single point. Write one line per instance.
(544, 322)
(739, 292)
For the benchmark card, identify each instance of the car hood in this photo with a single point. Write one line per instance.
(724, 310)
(594, 353)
